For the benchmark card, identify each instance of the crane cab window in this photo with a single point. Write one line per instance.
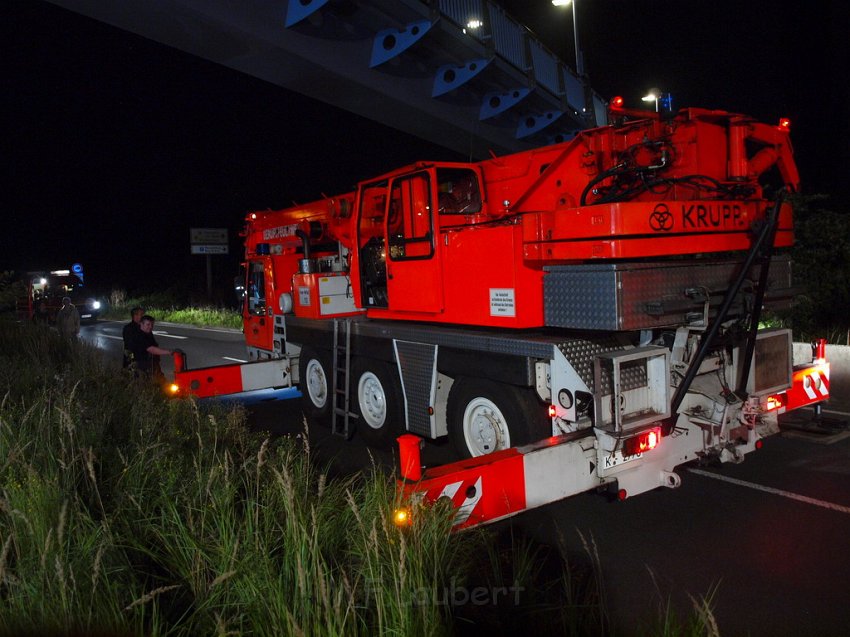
(410, 223)
(459, 191)
(256, 289)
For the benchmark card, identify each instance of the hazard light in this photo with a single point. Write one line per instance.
(784, 124)
(173, 389)
(617, 103)
(643, 442)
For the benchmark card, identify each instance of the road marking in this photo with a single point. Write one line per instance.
(167, 335)
(785, 494)
(235, 360)
(117, 338)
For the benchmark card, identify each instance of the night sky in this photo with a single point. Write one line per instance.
(116, 145)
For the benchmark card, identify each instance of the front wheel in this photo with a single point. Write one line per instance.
(315, 371)
(379, 401)
(485, 416)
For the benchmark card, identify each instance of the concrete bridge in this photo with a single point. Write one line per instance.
(459, 73)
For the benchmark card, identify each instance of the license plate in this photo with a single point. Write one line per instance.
(617, 458)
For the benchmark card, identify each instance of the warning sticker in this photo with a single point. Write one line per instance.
(303, 296)
(502, 302)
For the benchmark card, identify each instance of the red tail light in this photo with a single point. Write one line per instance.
(643, 442)
(775, 401)
(785, 124)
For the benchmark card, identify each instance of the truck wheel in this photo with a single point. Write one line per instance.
(485, 416)
(378, 401)
(315, 370)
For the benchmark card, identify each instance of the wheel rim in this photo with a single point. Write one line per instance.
(372, 400)
(485, 429)
(317, 383)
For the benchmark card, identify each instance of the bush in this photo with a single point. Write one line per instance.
(821, 257)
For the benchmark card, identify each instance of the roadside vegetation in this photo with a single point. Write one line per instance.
(171, 310)
(124, 513)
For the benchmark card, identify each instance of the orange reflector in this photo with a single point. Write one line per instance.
(785, 123)
(622, 495)
(401, 517)
(616, 103)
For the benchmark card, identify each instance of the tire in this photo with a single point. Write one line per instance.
(377, 399)
(314, 367)
(485, 416)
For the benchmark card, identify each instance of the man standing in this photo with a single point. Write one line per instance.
(130, 332)
(146, 351)
(68, 319)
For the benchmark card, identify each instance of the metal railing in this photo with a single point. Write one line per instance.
(512, 41)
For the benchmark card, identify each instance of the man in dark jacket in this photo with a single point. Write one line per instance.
(146, 351)
(130, 331)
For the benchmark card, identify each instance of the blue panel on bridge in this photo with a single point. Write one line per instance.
(496, 103)
(531, 124)
(451, 76)
(297, 11)
(390, 43)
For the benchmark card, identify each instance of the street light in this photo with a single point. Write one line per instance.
(653, 96)
(662, 100)
(564, 3)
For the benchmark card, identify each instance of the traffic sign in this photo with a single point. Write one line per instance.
(210, 249)
(215, 236)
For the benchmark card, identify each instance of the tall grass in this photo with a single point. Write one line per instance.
(200, 316)
(123, 513)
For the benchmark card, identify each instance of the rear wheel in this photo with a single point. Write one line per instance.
(485, 416)
(378, 400)
(315, 370)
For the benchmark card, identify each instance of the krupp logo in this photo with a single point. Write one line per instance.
(661, 219)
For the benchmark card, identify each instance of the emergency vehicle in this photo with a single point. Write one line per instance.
(45, 291)
(579, 316)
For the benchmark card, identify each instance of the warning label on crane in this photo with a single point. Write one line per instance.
(502, 302)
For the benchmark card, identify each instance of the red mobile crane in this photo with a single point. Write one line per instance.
(577, 316)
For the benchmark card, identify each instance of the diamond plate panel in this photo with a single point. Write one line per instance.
(581, 354)
(630, 296)
(416, 363)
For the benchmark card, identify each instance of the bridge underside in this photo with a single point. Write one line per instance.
(459, 73)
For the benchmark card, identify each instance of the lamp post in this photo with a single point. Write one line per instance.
(662, 100)
(579, 63)
(653, 96)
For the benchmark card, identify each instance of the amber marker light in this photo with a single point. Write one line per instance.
(402, 517)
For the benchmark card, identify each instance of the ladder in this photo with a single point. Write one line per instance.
(341, 414)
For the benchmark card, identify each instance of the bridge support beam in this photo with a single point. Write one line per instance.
(391, 43)
(297, 11)
(531, 124)
(496, 103)
(451, 76)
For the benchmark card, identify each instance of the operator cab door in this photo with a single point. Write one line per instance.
(414, 275)
(256, 312)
